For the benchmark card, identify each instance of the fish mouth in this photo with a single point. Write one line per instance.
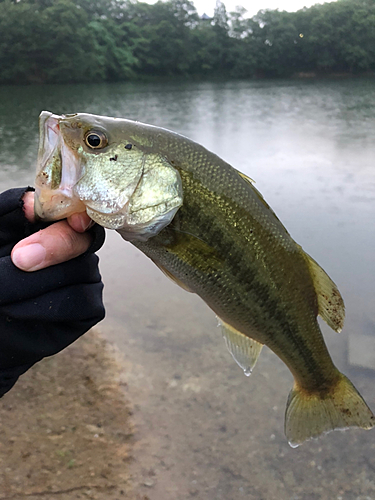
(111, 220)
(58, 171)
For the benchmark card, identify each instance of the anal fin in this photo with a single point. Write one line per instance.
(244, 350)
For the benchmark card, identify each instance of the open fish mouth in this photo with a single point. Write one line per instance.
(58, 172)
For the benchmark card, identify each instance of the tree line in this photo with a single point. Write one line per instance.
(60, 41)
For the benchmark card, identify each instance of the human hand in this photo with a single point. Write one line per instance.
(57, 243)
(43, 312)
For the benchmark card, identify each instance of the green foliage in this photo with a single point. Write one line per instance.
(103, 40)
(57, 43)
(113, 52)
(165, 36)
(339, 36)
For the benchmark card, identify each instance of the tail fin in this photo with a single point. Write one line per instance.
(310, 415)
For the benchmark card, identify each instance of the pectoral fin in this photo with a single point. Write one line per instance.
(330, 303)
(245, 351)
(172, 277)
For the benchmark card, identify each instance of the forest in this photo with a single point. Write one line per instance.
(61, 41)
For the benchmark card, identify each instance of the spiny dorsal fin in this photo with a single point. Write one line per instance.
(251, 182)
(330, 303)
(246, 178)
(244, 350)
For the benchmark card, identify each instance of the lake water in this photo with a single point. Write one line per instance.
(204, 430)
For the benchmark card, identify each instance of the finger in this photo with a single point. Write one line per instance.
(28, 206)
(80, 222)
(52, 245)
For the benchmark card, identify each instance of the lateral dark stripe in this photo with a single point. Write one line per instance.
(196, 219)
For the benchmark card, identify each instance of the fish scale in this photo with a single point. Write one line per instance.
(240, 291)
(208, 229)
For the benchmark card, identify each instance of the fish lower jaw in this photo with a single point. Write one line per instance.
(109, 221)
(50, 205)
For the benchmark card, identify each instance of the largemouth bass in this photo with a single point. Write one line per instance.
(208, 228)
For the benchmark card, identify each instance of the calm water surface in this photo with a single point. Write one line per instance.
(203, 430)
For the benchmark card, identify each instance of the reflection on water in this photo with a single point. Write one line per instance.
(205, 430)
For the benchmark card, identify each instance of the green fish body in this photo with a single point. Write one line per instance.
(207, 227)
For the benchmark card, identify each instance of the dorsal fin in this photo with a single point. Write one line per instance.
(244, 350)
(246, 178)
(259, 195)
(330, 303)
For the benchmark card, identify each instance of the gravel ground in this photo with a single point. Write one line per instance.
(65, 431)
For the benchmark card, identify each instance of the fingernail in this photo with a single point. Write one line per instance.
(88, 225)
(30, 257)
(81, 221)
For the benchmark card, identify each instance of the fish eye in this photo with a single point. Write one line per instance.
(95, 139)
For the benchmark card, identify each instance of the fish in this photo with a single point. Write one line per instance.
(207, 227)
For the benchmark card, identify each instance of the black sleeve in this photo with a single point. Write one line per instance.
(42, 312)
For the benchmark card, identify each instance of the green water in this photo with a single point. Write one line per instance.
(203, 429)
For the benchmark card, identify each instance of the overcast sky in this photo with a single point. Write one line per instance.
(252, 6)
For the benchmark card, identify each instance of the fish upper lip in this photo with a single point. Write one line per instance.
(44, 117)
(49, 132)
